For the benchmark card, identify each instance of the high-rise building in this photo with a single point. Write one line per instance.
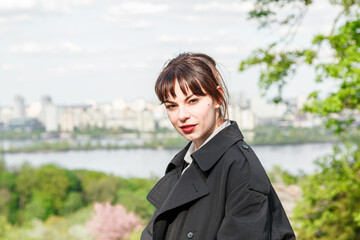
(48, 114)
(19, 107)
(243, 102)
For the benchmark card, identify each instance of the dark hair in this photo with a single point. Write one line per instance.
(196, 72)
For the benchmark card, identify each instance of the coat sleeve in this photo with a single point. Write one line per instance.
(252, 208)
(246, 215)
(254, 215)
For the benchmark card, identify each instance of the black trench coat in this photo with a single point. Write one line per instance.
(225, 194)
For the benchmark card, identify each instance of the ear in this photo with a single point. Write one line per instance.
(218, 105)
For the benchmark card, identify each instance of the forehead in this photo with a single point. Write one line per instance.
(179, 91)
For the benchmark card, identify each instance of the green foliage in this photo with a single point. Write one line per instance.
(278, 175)
(276, 66)
(271, 135)
(134, 236)
(330, 204)
(7, 179)
(9, 232)
(53, 181)
(101, 190)
(46, 192)
(25, 184)
(136, 202)
(344, 68)
(97, 186)
(132, 195)
(72, 203)
(41, 191)
(73, 180)
(8, 199)
(5, 201)
(16, 134)
(265, 13)
(40, 207)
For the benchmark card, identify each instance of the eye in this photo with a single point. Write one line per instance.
(193, 100)
(170, 106)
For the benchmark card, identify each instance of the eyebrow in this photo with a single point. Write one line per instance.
(168, 101)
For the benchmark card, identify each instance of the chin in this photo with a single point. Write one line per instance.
(189, 137)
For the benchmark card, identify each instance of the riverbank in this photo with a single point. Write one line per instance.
(98, 140)
(155, 144)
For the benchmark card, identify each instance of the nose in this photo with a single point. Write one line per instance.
(183, 114)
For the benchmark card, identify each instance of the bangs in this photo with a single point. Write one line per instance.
(186, 78)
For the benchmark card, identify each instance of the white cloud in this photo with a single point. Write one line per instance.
(80, 68)
(16, 18)
(65, 47)
(233, 49)
(135, 14)
(234, 7)
(182, 39)
(228, 49)
(137, 8)
(133, 65)
(6, 67)
(128, 22)
(15, 6)
(142, 24)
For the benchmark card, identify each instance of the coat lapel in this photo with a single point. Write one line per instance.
(190, 186)
(211, 152)
(164, 186)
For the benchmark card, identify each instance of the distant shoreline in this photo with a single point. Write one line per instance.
(66, 148)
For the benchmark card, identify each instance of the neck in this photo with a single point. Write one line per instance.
(218, 123)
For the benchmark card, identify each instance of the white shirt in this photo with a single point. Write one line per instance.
(192, 149)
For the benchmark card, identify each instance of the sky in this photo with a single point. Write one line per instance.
(99, 50)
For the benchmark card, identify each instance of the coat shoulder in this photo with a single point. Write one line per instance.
(244, 165)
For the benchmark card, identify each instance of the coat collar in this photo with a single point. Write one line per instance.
(208, 154)
(212, 151)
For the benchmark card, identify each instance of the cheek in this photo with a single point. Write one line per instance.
(205, 112)
(172, 117)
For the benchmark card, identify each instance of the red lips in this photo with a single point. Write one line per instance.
(188, 128)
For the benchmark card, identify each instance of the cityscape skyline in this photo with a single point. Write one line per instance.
(141, 115)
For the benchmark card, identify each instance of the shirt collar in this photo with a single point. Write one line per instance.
(192, 149)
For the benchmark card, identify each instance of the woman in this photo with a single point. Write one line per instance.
(215, 188)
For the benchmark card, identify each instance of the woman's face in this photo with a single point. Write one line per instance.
(194, 117)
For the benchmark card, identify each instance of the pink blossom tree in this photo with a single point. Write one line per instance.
(112, 222)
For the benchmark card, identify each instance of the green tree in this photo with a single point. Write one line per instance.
(8, 199)
(53, 181)
(102, 190)
(329, 208)
(330, 205)
(39, 207)
(97, 186)
(72, 203)
(25, 184)
(43, 189)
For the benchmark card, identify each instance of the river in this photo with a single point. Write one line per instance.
(150, 162)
